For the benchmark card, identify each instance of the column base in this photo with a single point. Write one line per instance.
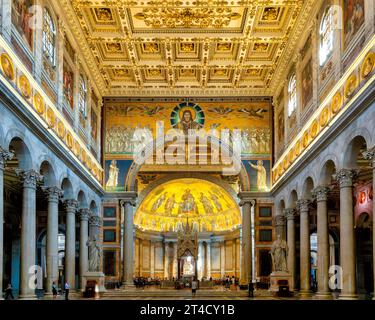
(128, 286)
(323, 296)
(27, 297)
(348, 296)
(305, 293)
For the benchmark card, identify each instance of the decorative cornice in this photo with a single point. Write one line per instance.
(5, 155)
(84, 214)
(320, 193)
(303, 205)
(290, 213)
(29, 178)
(95, 221)
(280, 220)
(370, 155)
(53, 193)
(71, 205)
(346, 177)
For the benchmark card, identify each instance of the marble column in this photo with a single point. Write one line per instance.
(290, 215)
(246, 273)
(83, 215)
(320, 193)
(370, 155)
(222, 259)
(200, 260)
(345, 177)
(208, 260)
(280, 226)
(166, 260)
(52, 250)
(305, 256)
(28, 231)
(4, 156)
(128, 262)
(70, 242)
(152, 258)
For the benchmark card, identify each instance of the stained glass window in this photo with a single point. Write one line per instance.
(49, 37)
(292, 93)
(82, 96)
(326, 36)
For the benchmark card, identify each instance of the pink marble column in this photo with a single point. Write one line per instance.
(290, 215)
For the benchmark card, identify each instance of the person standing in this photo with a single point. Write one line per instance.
(67, 288)
(54, 290)
(194, 286)
(9, 293)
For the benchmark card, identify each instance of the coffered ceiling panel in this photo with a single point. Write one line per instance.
(196, 47)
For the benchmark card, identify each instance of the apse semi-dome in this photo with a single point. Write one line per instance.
(205, 205)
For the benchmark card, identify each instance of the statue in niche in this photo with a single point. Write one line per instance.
(112, 181)
(95, 254)
(279, 253)
(262, 175)
(170, 204)
(157, 204)
(188, 204)
(188, 268)
(208, 208)
(216, 201)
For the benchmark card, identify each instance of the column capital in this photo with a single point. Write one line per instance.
(280, 220)
(346, 177)
(129, 198)
(290, 213)
(5, 155)
(29, 178)
(245, 197)
(71, 205)
(368, 155)
(320, 193)
(53, 193)
(95, 221)
(303, 205)
(84, 214)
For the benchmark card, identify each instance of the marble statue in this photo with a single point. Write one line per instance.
(279, 251)
(95, 254)
(262, 175)
(112, 181)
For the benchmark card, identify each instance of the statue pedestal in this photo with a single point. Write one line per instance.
(280, 279)
(97, 277)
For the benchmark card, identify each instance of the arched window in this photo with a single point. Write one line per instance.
(292, 95)
(49, 37)
(326, 36)
(82, 99)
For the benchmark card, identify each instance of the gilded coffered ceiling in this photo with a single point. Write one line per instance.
(206, 47)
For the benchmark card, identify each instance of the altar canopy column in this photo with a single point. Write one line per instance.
(370, 155)
(4, 156)
(52, 246)
(345, 177)
(30, 179)
(321, 195)
(70, 242)
(83, 215)
(290, 214)
(128, 262)
(246, 272)
(305, 262)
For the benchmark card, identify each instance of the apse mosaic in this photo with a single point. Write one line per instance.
(207, 206)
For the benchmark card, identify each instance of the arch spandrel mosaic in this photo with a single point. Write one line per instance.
(206, 205)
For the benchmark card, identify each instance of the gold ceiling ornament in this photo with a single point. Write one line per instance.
(336, 103)
(187, 47)
(39, 103)
(271, 13)
(368, 65)
(104, 14)
(114, 47)
(260, 46)
(7, 66)
(150, 47)
(224, 47)
(24, 86)
(350, 85)
(197, 17)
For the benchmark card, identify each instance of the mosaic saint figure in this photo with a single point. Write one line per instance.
(216, 201)
(188, 204)
(112, 181)
(170, 204)
(208, 208)
(262, 175)
(187, 122)
(159, 201)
